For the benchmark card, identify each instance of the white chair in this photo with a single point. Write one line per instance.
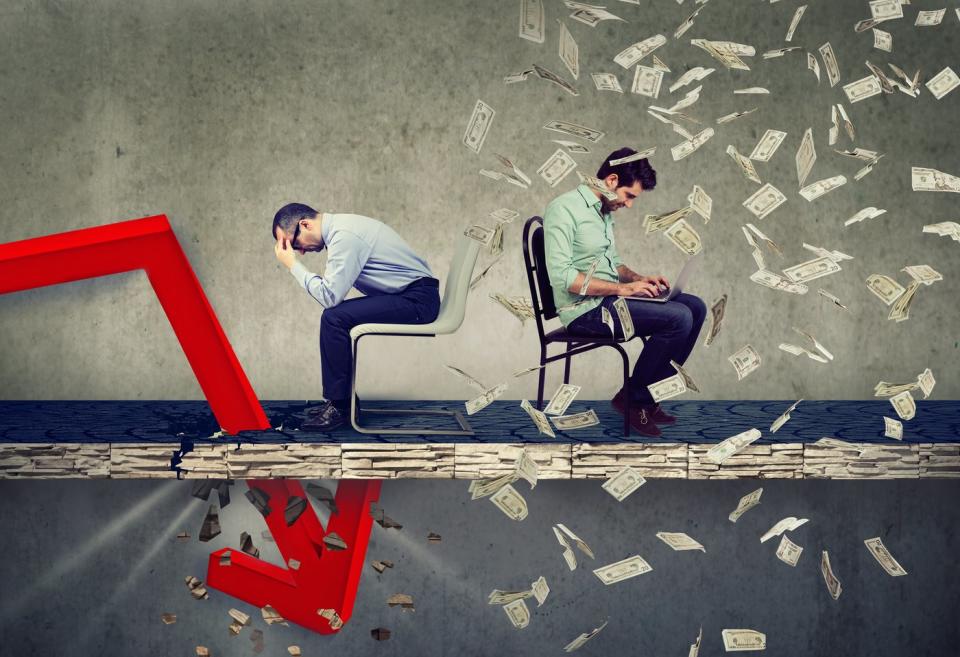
(452, 309)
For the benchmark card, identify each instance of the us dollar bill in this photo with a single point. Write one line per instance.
(606, 82)
(862, 89)
(812, 269)
(498, 597)
(480, 233)
(833, 584)
(701, 203)
(806, 156)
(538, 417)
(623, 483)
(904, 404)
(518, 613)
(930, 180)
(485, 399)
(583, 638)
(900, 310)
(764, 201)
(690, 146)
(883, 557)
(684, 237)
(923, 274)
(746, 166)
(744, 361)
(575, 130)
(562, 399)
(892, 428)
(576, 421)
(630, 55)
(768, 145)
(943, 83)
(679, 541)
(550, 76)
(746, 503)
(511, 502)
(646, 81)
(740, 640)
(884, 288)
(785, 525)
(730, 446)
(813, 65)
(569, 52)
(788, 552)
(556, 167)
(797, 15)
(816, 190)
(830, 63)
(716, 318)
(776, 282)
(622, 570)
(478, 126)
(626, 319)
(667, 388)
(780, 421)
(532, 21)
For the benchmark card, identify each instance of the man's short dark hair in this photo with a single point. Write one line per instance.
(629, 172)
(289, 216)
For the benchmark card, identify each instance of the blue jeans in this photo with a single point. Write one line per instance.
(418, 303)
(673, 328)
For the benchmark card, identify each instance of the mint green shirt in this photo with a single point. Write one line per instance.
(575, 234)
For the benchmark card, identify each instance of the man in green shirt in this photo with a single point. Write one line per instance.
(578, 237)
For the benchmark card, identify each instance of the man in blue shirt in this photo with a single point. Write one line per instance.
(365, 254)
(578, 236)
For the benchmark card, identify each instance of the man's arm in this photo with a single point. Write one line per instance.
(558, 234)
(627, 275)
(347, 254)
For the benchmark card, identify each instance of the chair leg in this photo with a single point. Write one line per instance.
(626, 393)
(542, 379)
(463, 430)
(566, 364)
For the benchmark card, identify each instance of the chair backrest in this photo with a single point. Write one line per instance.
(538, 278)
(453, 306)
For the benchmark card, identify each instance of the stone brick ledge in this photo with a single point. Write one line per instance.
(475, 460)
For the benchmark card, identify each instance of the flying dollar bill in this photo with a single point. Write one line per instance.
(562, 399)
(679, 541)
(623, 570)
(745, 360)
(741, 639)
(730, 446)
(788, 552)
(833, 584)
(883, 557)
(623, 483)
(478, 126)
(746, 503)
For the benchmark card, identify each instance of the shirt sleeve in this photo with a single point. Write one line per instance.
(346, 255)
(558, 235)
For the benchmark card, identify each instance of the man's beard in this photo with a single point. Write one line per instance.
(608, 206)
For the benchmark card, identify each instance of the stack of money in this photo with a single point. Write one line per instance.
(519, 307)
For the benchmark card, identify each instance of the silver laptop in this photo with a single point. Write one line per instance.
(678, 284)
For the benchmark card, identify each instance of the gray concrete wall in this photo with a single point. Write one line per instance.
(216, 113)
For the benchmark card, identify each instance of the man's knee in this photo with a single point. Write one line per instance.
(334, 320)
(681, 318)
(698, 309)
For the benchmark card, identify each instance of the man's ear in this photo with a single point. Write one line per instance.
(612, 181)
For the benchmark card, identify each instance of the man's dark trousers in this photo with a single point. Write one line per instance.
(673, 328)
(418, 303)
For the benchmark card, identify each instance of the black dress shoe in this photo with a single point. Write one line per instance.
(324, 418)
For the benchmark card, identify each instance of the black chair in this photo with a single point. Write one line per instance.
(544, 309)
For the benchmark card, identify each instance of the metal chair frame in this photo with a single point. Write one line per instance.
(544, 309)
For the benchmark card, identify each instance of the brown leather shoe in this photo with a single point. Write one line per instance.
(641, 420)
(659, 415)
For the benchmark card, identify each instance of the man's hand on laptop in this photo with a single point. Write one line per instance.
(657, 280)
(285, 253)
(641, 288)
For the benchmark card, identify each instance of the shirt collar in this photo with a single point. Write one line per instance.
(588, 196)
(325, 228)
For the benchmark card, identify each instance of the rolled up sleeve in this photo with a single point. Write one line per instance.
(558, 235)
(347, 254)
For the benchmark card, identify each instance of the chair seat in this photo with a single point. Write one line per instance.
(561, 335)
(433, 328)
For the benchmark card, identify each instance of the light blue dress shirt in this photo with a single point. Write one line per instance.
(363, 253)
